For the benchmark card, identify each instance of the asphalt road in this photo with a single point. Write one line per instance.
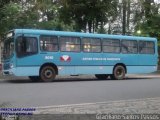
(75, 90)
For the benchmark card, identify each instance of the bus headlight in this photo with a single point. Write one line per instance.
(11, 65)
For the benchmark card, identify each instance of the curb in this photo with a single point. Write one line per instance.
(143, 76)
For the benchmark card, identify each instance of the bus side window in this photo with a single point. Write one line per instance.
(70, 44)
(111, 45)
(146, 47)
(129, 46)
(49, 43)
(91, 45)
(86, 47)
(26, 46)
(21, 46)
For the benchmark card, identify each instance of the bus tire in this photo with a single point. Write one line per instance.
(101, 76)
(34, 78)
(47, 74)
(118, 73)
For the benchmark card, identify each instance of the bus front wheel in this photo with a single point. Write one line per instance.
(47, 74)
(118, 73)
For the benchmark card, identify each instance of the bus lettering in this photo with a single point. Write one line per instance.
(101, 59)
(49, 57)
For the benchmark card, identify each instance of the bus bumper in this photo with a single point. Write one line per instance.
(9, 72)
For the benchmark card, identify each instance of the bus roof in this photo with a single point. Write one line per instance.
(79, 34)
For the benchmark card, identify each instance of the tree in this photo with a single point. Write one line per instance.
(40, 14)
(124, 17)
(150, 25)
(88, 15)
(147, 8)
(13, 16)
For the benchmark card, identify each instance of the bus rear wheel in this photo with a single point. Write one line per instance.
(47, 74)
(118, 73)
(101, 76)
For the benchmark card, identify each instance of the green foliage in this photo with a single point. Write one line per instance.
(13, 16)
(150, 27)
(87, 13)
(78, 15)
(42, 14)
(54, 25)
(8, 14)
(148, 21)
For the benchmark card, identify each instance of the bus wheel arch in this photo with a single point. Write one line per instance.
(119, 71)
(48, 72)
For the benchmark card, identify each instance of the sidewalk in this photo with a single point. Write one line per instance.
(137, 106)
(139, 109)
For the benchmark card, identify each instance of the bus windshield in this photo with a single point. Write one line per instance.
(8, 48)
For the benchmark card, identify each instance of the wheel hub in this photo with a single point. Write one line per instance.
(48, 73)
(119, 72)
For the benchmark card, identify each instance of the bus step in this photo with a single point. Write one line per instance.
(74, 75)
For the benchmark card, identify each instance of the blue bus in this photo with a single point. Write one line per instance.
(43, 54)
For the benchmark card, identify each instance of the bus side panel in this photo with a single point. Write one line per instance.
(79, 63)
(113, 59)
(28, 65)
(141, 69)
(94, 69)
(148, 59)
(27, 71)
(135, 63)
(66, 70)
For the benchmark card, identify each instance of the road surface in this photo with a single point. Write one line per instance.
(75, 90)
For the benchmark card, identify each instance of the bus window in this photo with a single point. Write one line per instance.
(129, 46)
(49, 43)
(8, 48)
(111, 46)
(91, 45)
(146, 47)
(70, 44)
(26, 46)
